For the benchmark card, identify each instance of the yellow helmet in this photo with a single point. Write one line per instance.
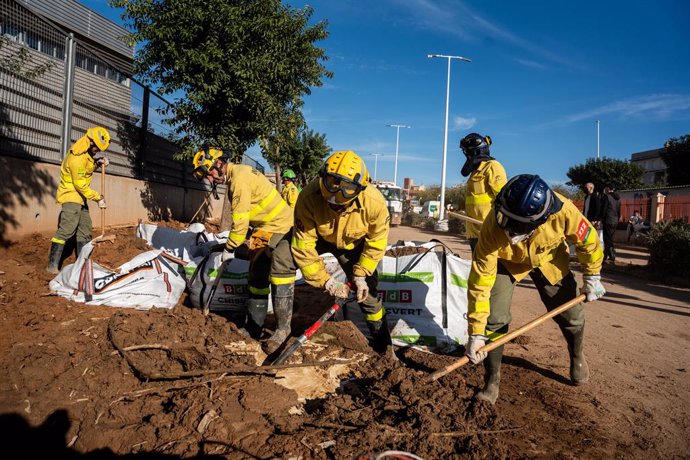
(343, 176)
(204, 161)
(99, 136)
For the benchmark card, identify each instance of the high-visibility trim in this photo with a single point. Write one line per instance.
(458, 281)
(57, 240)
(484, 198)
(303, 244)
(259, 291)
(589, 258)
(493, 336)
(274, 212)
(374, 316)
(378, 244)
(367, 263)
(282, 280)
(481, 280)
(237, 237)
(240, 216)
(349, 246)
(263, 203)
(312, 269)
(482, 306)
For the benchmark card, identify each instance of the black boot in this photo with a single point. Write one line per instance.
(54, 258)
(380, 335)
(282, 295)
(80, 245)
(492, 376)
(579, 370)
(256, 315)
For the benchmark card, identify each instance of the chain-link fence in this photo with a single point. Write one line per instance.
(87, 81)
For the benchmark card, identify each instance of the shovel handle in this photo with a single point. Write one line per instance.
(510, 336)
(102, 193)
(465, 217)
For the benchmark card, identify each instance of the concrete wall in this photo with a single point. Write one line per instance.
(27, 200)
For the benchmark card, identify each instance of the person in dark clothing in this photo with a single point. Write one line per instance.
(610, 214)
(592, 207)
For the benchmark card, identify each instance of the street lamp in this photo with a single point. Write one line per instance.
(397, 142)
(445, 132)
(376, 162)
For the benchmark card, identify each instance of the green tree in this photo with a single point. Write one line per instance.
(20, 62)
(238, 63)
(286, 130)
(571, 193)
(620, 174)
(676, 155)
(306, 154)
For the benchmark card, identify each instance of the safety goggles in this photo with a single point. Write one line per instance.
(334, 184)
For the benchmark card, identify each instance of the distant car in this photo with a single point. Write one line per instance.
(431, 209)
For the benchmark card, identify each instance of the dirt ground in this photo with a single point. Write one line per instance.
(67, 392)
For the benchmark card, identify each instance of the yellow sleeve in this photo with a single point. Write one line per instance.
(374, 244)
(497, 179)
(304, 237)
(80, 179)
(240, 195)
(582, 234)
(292, 196)
(481, 280)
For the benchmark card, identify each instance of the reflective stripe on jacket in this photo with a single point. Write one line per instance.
(76, 173)
(366, 221)
(482, 187)
(256, 202)
(546, 249)
(290, 194)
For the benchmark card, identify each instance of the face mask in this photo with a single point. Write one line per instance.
(515, 239)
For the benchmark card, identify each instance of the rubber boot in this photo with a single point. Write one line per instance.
(380, 335)
(80, 245)
(282, 295)
(579, 370)
(492, 376)
(54, 258)
(256, 315)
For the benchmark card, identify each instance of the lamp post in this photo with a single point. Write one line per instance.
(445, 132)
(397, 143)
(376, 163)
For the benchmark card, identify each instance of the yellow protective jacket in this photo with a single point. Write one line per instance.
(290, 194)
(546, 249)
(482, 187)
(76, 173)
(256, 202)
(365, 221)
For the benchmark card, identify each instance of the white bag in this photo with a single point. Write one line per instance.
(151, 279)
(425, 297)
(185, 244)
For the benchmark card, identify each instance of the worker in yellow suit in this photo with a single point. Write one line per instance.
(290, 190)
(487, 177)
(257, 204)
(528, 234)
(340, 213)
(74, 192)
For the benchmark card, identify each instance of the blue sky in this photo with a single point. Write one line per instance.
(542, 73)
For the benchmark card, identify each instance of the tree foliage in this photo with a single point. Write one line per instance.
(20, 62)
(306, 154)
(676, 155)
(239, 63)
(620, 174)
(454, 195)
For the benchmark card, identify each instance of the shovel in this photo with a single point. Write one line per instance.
(103, 237)
(510, 336)
(465, 217)
(309, 332)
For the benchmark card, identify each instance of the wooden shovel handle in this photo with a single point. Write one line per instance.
(510, 336)
(102, 193)
(465, 217)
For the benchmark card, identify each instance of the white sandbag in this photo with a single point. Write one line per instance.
(426, 305)
(183, 244)
(151, 279)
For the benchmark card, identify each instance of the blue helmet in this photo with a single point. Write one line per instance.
(525, 203)
(475, 144)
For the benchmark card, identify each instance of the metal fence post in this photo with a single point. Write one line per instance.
(67, 103)
(141, 153)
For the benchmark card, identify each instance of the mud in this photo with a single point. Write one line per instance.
(66, 392)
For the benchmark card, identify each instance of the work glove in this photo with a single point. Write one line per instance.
(103, 161)
(362, 288)
(337, 289)
(101, 203)
(227, 254)
(593, 287)
(472, 349)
